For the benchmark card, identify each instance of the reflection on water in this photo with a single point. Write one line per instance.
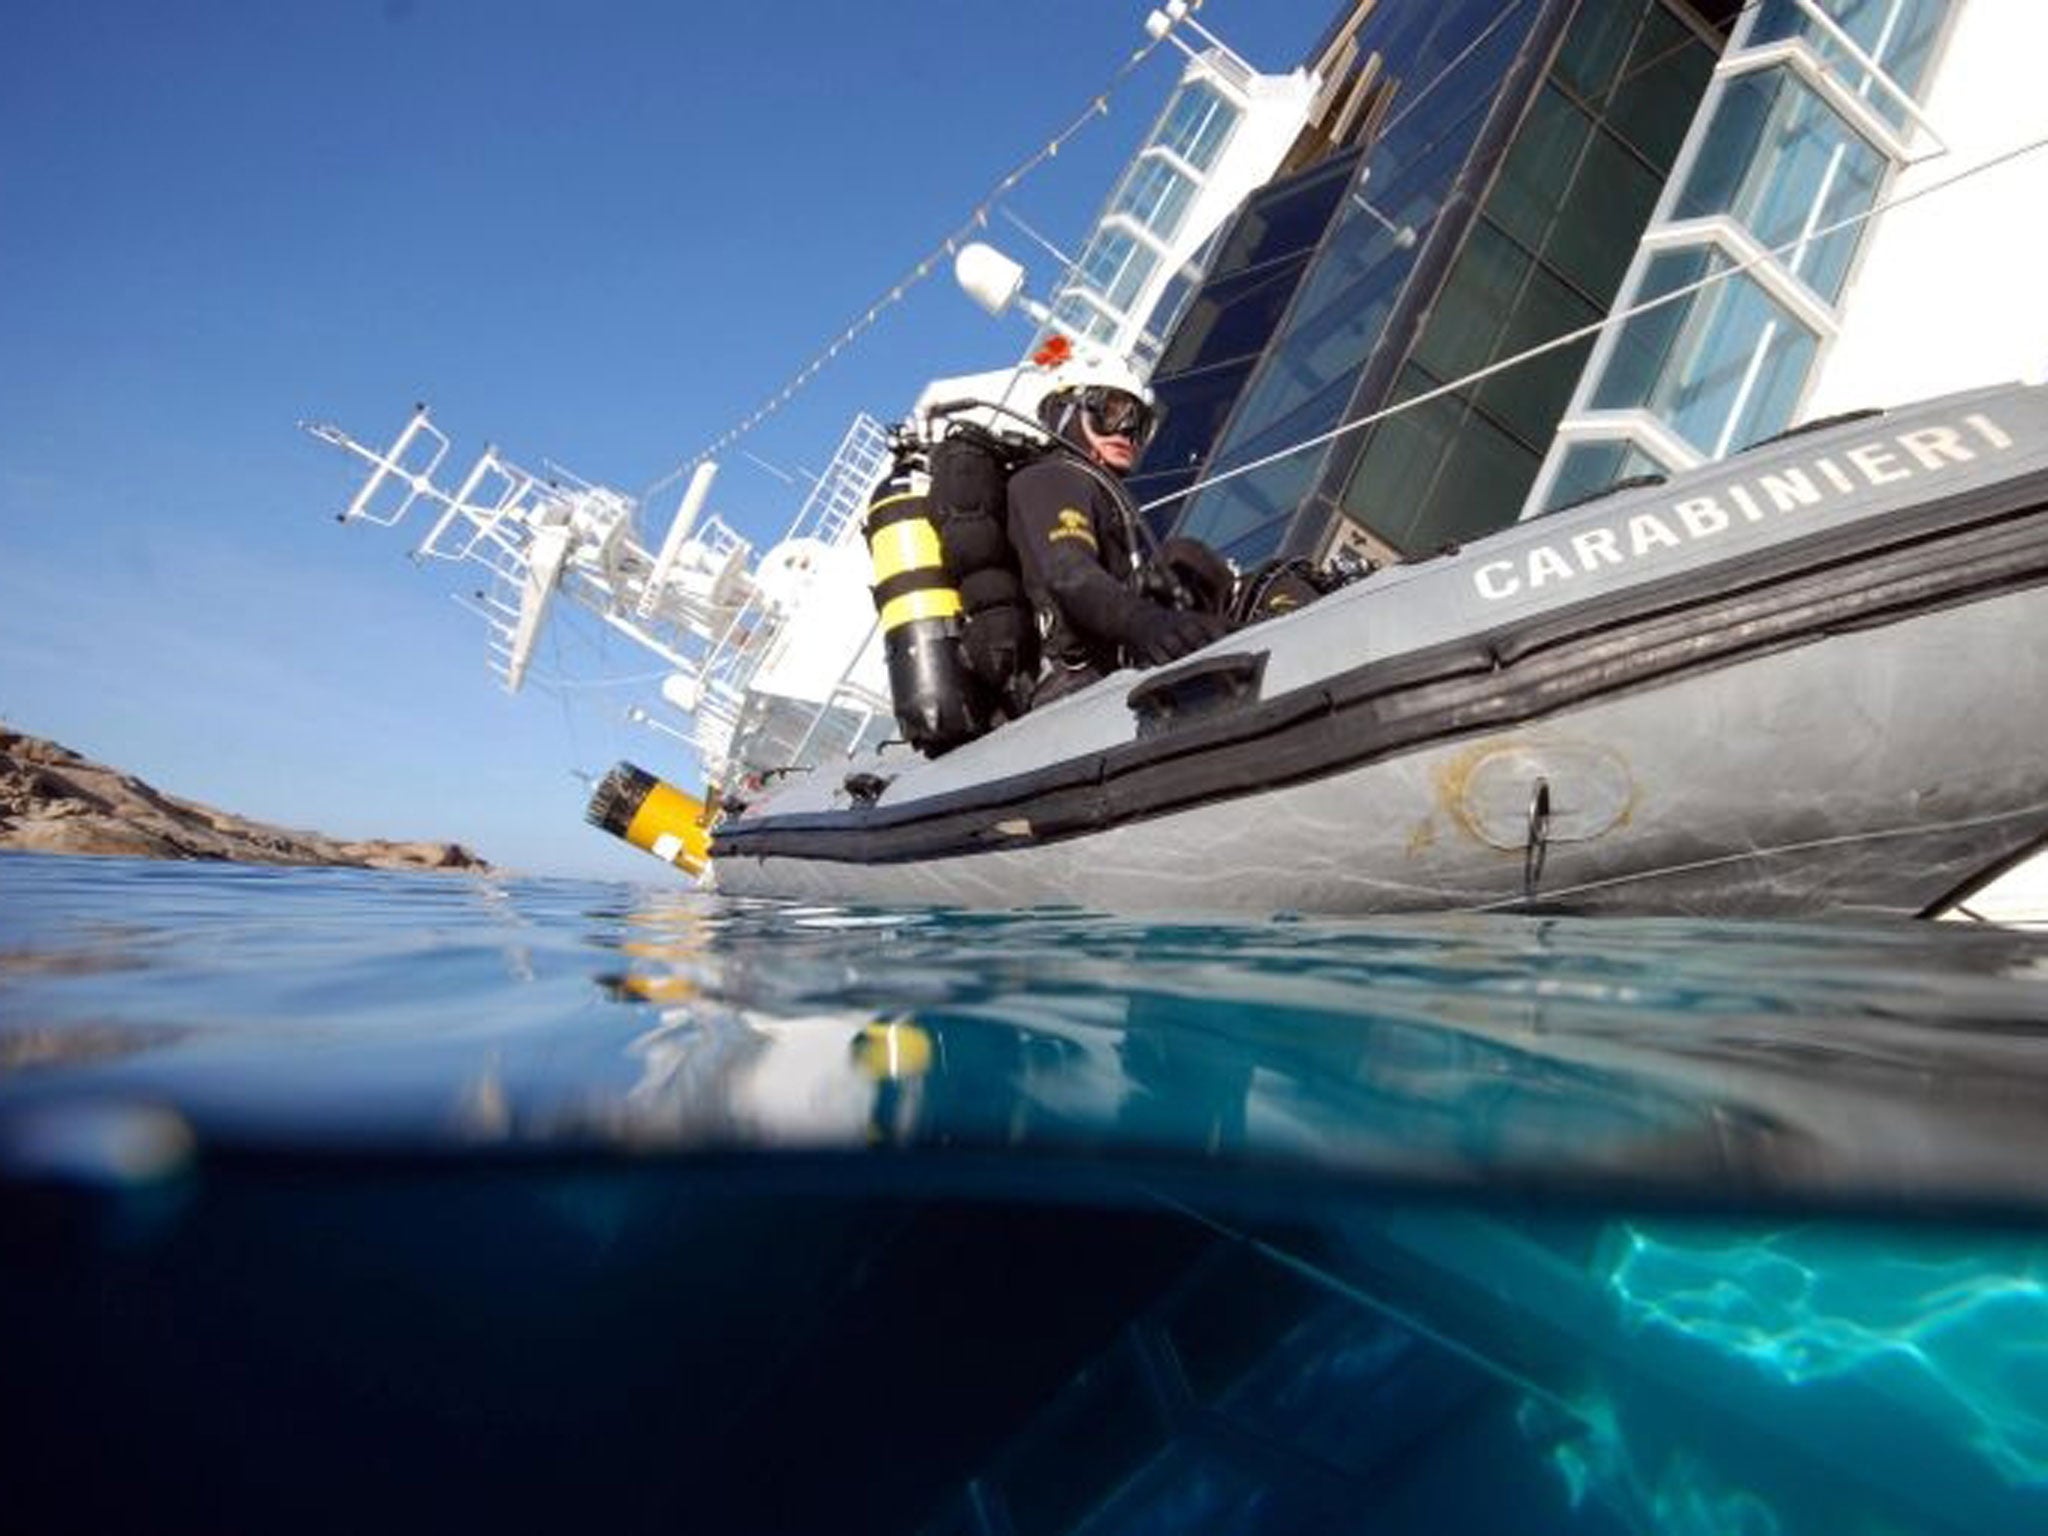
(535, 1204)
(1892, 1371)
(1958, 1334)
(1712, 1062)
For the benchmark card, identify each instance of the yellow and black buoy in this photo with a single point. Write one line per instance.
(633, 804)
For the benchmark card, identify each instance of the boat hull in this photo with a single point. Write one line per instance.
(1830, 712)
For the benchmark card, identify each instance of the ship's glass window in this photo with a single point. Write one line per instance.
(1898, 34)
(1236, 316)
(1443, 91)
(1083, 318)
(1285, 220)
(1155, 195)
(1476, 299)
(1723, 365)
(1437, 473)
(1645, 346)
(1602, 215)
(1115, 265)
(1102, 264)
(1323, 347)
(1393, 475)
(1249, 515)
(1782, 162)
(1259, 262)
(1351, 291)
(1410, 171)
(1594, 47)
(1529, 398)
(1589, 467)
(1195, 124)
(1431, 48)
(1172, 306)
(1135, 275)
(1191, 410)
(1529, 189)
(1480, 488)
(1659, 87)
(1137, 271)
(1574, 194)
(1454, 56)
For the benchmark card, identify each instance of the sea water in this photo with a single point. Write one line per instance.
(344, 1200)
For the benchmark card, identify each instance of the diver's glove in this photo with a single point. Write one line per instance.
(1160, 635)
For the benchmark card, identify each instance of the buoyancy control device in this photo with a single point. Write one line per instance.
(1281, 586)
(958, 631)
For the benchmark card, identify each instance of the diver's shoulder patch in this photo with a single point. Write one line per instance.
(1072, 524)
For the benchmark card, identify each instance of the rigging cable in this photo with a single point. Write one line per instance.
(1098, 106)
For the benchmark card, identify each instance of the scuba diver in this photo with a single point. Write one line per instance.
(1076, 533)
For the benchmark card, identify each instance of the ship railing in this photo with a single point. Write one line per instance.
(717, 629)
(831, 514)
(840, 496)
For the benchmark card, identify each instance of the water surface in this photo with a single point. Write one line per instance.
(333, 1196)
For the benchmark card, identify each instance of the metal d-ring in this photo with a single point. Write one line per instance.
(1538, 844)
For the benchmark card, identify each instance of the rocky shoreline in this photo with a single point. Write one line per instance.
(54, 801)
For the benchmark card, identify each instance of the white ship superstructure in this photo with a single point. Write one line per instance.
(776, 656)
(771, 653)
(1221, 135)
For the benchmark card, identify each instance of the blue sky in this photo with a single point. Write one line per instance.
(597, 235)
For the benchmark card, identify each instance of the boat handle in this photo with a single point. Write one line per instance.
(865, 788)
(1195, 689)
(1538, 844)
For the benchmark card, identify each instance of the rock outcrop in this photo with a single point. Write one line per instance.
(54, 801)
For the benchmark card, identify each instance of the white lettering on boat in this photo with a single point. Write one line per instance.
(1930, 446)
(1788, 489)
(1546, 564)
(1879, 464)
(1702, 516)
(1648, 531)
(1988, 429)
(1837, 476)
(1597, 547)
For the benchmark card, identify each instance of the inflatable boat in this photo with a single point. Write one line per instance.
(1805, 679)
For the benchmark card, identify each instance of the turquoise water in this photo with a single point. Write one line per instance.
(331, 1198)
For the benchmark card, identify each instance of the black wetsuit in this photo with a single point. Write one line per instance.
(1073, 529)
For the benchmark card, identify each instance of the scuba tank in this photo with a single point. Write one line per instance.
(939, 701)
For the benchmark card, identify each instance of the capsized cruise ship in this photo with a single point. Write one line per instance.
(776, 655)
(1471, 262)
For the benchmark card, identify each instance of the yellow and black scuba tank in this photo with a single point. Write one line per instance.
(958, 632)
(938, 701)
